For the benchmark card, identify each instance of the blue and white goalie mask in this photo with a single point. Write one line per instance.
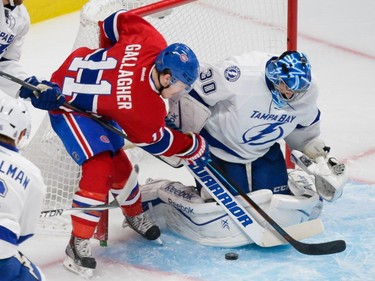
(290, 76)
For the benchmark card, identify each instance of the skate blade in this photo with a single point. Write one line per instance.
(159, 241)
(84, 272)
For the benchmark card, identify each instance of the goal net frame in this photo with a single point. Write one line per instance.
(60, 184)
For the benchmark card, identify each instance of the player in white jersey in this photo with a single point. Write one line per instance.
(244, 106)
(14, 25)
(255, 100)
(21, 193)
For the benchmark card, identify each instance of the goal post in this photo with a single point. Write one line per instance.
(154, 8)
(292, 25)
(214, 29)
(292, 31)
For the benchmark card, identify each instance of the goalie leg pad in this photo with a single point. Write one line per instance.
(184, 212)
(300, 183)
(289, 210)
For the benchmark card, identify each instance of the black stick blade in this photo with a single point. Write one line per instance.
(326, 248)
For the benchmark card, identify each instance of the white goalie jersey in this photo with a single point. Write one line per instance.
(14, 25)
(236, 93)
(21, 195)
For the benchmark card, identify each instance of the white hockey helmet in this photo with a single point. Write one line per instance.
(14, 118)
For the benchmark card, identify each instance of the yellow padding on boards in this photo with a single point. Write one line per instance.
(40, 10)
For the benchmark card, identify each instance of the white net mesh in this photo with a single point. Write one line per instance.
(214, 29)
(60, 173)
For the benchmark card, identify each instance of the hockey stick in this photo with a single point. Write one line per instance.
(76, 109)
(324, 248)
(231, 206)
(244, 219)
(67, 105)
(125, 192)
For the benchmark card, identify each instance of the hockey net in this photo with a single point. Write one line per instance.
(214, 29)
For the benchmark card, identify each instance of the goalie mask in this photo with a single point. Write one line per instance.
(181, 63)
(290, 76)
(14, 118)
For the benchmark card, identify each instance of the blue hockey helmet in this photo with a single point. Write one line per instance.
(292, 69)
(180, 61)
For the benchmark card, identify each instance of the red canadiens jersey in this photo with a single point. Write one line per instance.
(115, 82)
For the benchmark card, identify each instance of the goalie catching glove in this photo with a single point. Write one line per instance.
(48, 98)
(330, 175)
(198, 154)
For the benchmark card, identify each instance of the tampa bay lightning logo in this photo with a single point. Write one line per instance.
(232, 73)
(262, 134)
(3, 47)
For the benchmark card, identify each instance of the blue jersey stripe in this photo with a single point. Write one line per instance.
(110, 27)
(161, 145)
(8, 235)
(316, 120)
(216, 143)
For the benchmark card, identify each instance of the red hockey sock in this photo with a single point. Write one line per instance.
(93, 190)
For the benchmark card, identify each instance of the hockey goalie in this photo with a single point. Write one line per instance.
(245, 106)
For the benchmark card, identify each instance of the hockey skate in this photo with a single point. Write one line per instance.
(143, 225)
(79, 258)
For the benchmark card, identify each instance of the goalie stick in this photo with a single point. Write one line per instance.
(231, 206)
(310, 249)
(324, 248)
(125, 192)
(258, 234)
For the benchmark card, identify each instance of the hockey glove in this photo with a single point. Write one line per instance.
(198, 154)
(315, 148)
(49, 97)
(330, 176)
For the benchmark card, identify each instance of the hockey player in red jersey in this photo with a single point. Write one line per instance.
(123, 84)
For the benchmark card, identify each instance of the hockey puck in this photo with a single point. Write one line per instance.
(231, 256)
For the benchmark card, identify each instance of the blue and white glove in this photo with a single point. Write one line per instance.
(199, 153)
(49, 97)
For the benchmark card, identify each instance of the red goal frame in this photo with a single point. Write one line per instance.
(292, 23)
